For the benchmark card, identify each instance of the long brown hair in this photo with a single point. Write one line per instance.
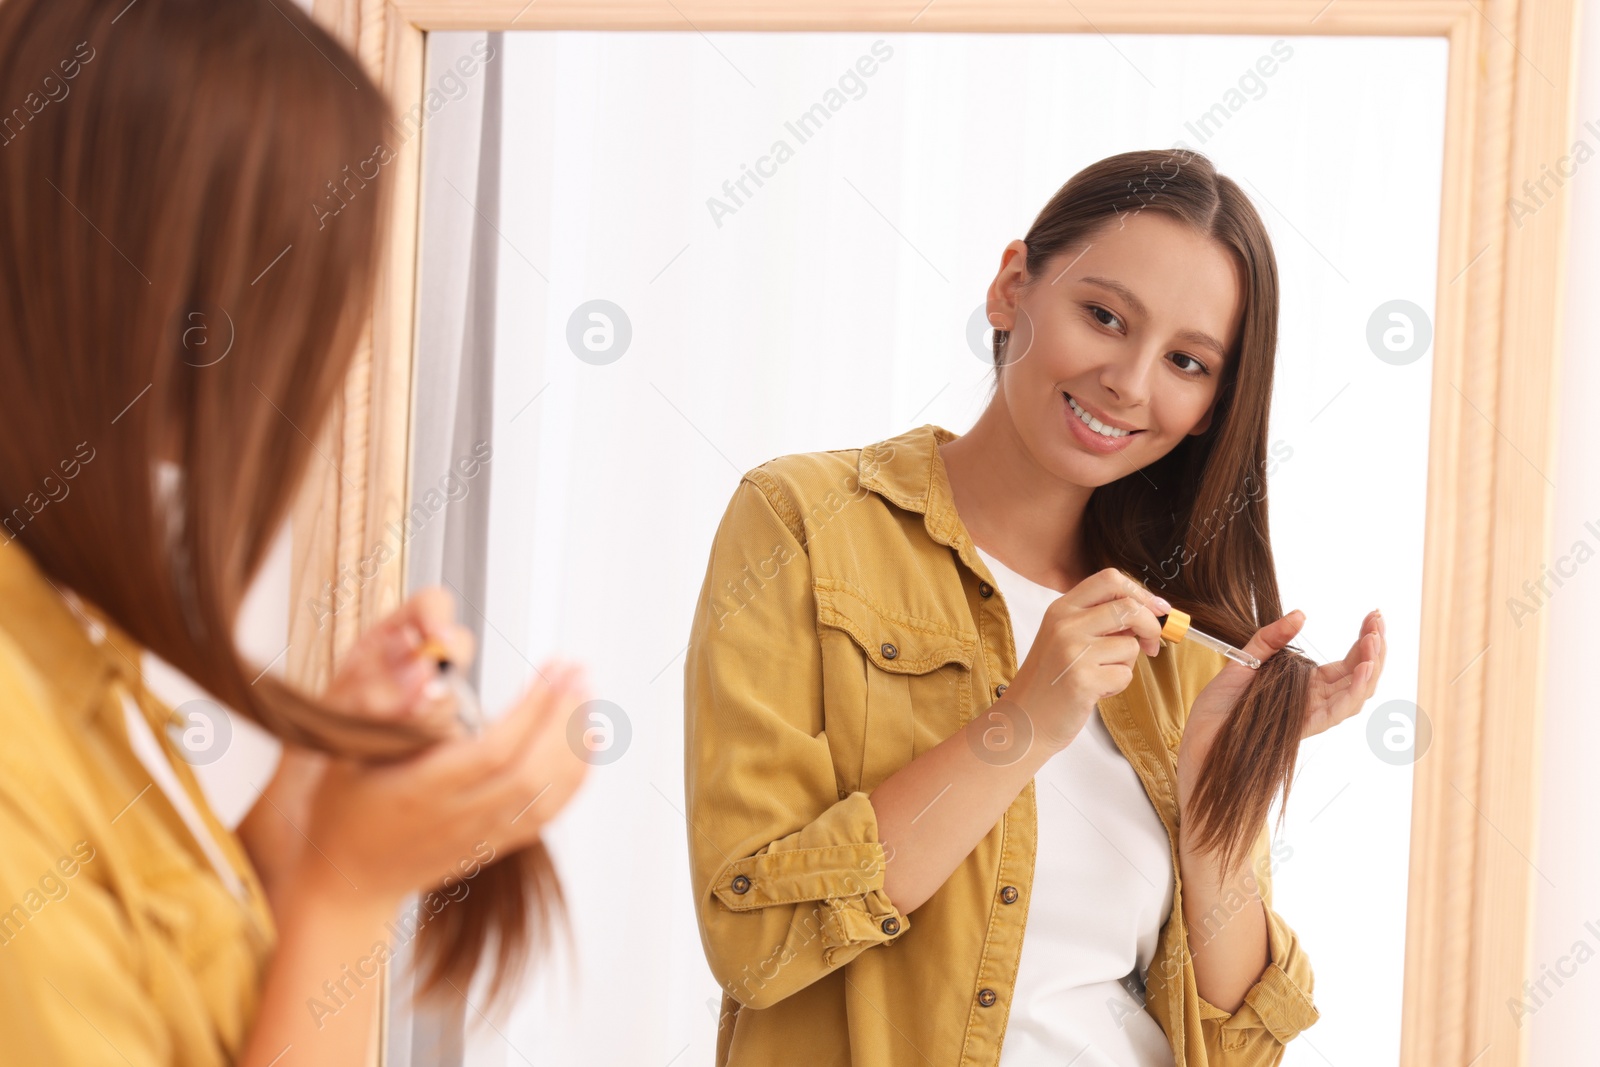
(177, 298)
(1192, 526)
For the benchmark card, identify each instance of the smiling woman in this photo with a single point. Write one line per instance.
(880, 709)
(1146, 298)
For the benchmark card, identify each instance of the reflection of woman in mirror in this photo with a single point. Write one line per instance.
(168, 186)
(952, 798)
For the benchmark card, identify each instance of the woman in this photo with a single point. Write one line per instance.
(164, 172)
(944, 777)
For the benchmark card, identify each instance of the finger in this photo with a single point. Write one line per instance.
(535, 709)
(1271, 638)
(1357, 684)
(1373, 665)
(1369, 625)
(372, 683)
(1366, 654)
(1356, 694)
(460, 643)
(1342, 683)
(420, 687)
(437, 712)
(425, 636)
(1111, 584)
(1115, 650)
(1383, 644)
(551, 770)
(406, 627)
(419, 684)
(1127, 615)
(432, 607)
(546, 773)
(485, 757)
(429, 614)
(415, 688)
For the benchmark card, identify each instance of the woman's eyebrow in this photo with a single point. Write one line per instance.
(1194, 336)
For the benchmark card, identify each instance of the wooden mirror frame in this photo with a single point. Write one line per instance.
(1492, 429)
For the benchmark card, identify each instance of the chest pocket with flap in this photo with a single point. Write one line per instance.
(894, 684)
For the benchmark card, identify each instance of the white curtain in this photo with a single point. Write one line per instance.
(452, 416)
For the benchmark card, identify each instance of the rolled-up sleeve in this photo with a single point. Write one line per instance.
(787, 874)
(1275, 1009)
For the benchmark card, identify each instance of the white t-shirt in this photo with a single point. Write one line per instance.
(1102, 889)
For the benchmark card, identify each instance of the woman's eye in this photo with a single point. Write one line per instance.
(1097, 311)
(1198, 370)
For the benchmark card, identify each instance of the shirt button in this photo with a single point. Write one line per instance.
(987, 997)
(741, 884)
(1009, 894)
(985, 589)
(1000, 690)
(888, 650)
(891, 926)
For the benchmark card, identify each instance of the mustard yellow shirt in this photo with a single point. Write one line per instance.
(119, 944)
(845, 626)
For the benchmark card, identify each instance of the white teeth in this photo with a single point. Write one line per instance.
(1095, 424)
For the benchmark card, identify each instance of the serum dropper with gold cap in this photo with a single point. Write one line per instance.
(468, 710)
(1175, 627)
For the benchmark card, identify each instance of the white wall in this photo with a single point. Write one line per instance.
(1566, 929)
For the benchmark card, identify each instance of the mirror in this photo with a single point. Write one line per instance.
(650, 261)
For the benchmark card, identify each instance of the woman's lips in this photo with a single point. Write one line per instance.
(1095, 442)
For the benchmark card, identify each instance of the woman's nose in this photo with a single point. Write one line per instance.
(1128, 381)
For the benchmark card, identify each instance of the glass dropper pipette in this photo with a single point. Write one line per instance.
(1175, 627)
(468, 710)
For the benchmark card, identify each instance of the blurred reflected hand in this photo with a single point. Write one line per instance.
(385, 830)
(386, 675)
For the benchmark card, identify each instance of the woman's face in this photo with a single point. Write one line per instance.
(1133, 327)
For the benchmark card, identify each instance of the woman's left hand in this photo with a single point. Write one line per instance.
(1338, 689)
(384, 675)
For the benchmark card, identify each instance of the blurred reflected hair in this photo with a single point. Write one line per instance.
(1192, 526)
(166, 168)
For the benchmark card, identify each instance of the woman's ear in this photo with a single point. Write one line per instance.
(1002, 295)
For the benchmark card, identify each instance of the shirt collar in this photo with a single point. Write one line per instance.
(76, 649)
(908, 471)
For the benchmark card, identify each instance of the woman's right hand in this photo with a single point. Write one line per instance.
(1085, 650)
(383, 831)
